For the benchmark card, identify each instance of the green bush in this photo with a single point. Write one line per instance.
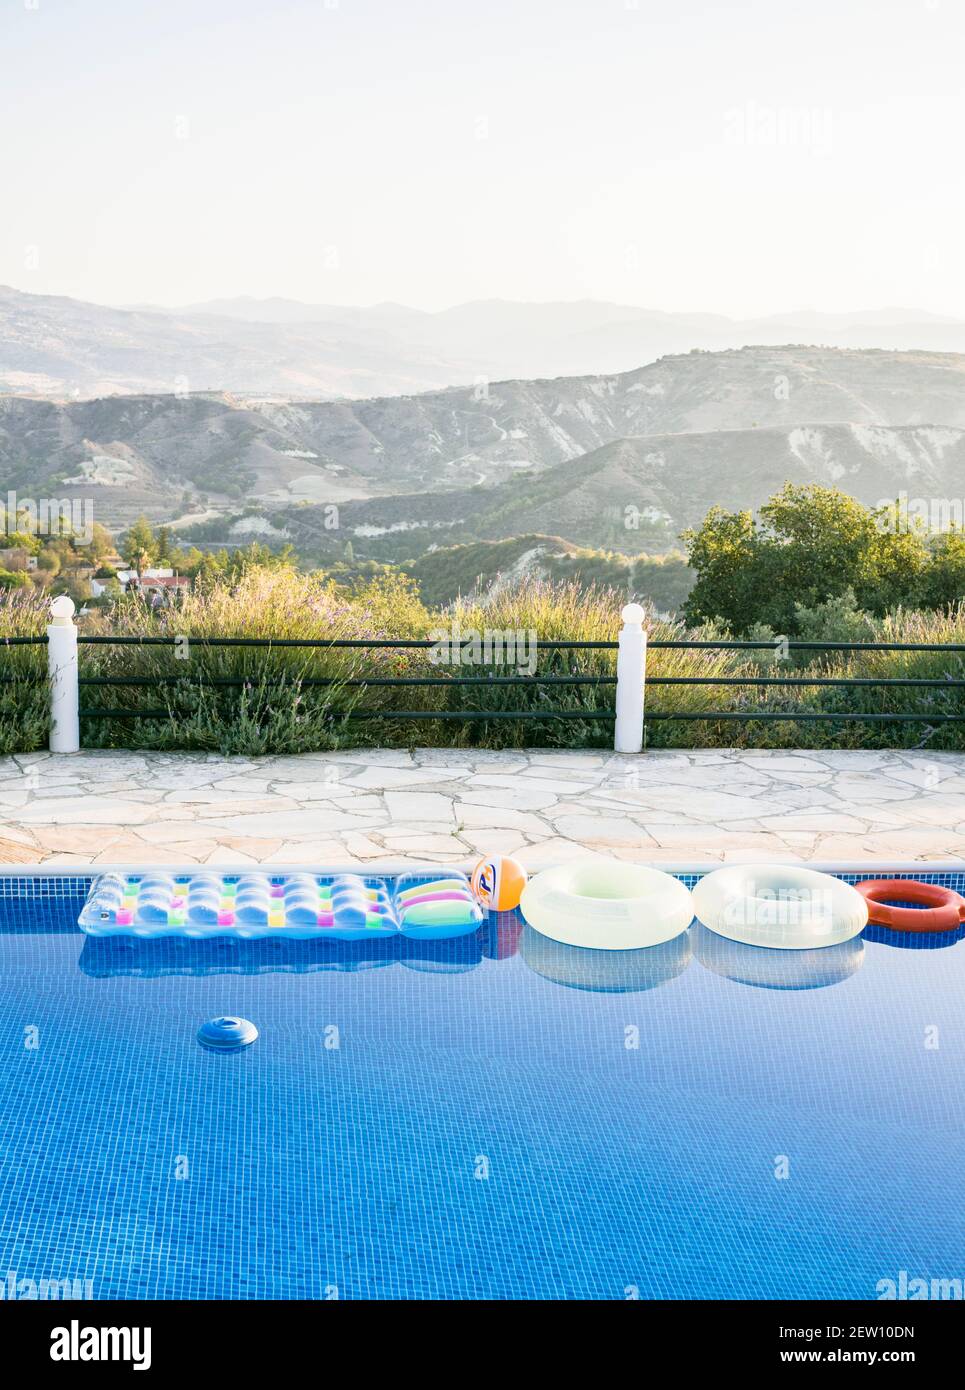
(24, 702)
(813, 545)
(15, 579)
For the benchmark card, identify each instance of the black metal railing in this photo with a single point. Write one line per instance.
(554, 680)
(798, 682)
(550, 680)
(25, 677)
(358, 683)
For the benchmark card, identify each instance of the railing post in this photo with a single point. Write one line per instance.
(631, 679)
(62, 668)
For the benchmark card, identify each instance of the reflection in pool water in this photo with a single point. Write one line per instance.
(151, 958)
(913, 940)
(767, 968)
(577, 967)
(605, 972)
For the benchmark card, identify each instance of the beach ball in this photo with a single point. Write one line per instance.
(498, 883)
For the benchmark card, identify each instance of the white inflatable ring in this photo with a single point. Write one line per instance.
(791, 908)
(607, 904)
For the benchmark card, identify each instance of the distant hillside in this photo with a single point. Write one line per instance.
(730, 418)
(575, 338)
(61, 348)
(64, 348)
(636, 495)
(487, 566)
(451, 571)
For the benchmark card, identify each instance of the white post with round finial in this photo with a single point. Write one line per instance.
(631, 679)
(62, 668)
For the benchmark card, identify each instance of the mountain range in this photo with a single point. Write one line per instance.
(636, 495)
(63, 348)
(623, 460)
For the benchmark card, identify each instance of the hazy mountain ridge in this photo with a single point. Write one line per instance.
(584, 337)
(65, 348)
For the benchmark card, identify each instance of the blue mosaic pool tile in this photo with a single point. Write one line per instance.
(492, 1117)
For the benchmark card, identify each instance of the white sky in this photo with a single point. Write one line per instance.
(742, 158)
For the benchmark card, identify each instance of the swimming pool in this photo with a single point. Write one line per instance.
(497, 1116)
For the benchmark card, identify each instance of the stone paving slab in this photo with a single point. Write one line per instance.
(448, 805)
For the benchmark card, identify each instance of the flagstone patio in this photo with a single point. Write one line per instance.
(444, 805)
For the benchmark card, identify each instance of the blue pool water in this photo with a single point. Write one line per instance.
(494, 1117)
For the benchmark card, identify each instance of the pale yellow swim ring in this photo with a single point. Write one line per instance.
(607, 904)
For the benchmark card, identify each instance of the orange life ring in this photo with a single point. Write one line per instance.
(941, 909)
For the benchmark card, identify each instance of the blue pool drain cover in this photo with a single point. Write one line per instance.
(226, 1033)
